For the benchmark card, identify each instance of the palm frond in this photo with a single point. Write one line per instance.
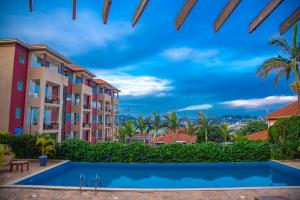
(272, 65)
(282, 44)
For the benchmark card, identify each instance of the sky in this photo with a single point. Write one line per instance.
(156, 67)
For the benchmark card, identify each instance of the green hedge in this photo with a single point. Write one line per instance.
(24, 146)
(77, 150)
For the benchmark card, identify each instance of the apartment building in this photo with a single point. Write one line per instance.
(42, 91)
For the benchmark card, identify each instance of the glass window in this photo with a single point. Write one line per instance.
(94, 119)
(78, 80)
(68, 117)
(94, 90)
(32, 116)
(22, 58)
(94, 104)
(100, 90)
(20, 85)
(77, 99)
(18, 112)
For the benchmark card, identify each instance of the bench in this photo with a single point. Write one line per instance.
(19, 163)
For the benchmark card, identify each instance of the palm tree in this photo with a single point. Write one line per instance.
(127, 129)
(156, 123)
(192, 128)
(172, 123)
(284, 66)
(203, 122)
(143, 125)
(224, 131)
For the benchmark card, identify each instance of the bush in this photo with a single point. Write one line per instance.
(24, 146)
(78, 150)
(285, 138)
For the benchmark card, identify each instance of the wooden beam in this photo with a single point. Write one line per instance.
(105, 10)
(263, 15)
(74, 10)
(225, 14)
(184, 12)
(139, 11)
(30, 6)
(290, 21)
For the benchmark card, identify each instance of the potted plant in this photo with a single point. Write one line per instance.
(46, 146)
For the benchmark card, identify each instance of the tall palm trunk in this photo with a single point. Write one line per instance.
(297, 86)
(174, 136)
(206, 135)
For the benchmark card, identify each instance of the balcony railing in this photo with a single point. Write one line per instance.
(117, 112)
(107, 109)
(50, 126)
(108, 124)
(33, 96)
(86, 124)
(87, 106)
(52, 99)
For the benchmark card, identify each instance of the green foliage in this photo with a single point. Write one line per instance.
(285, 150)
(24, 146)
(127, 129)
(239, 138)
(285, 138)
(214, 134)
(46, 145)
(253, 126)
(77, 150)
(287, 129)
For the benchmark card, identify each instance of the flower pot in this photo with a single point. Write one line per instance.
(43, 160)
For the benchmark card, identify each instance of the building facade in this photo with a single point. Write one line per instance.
(44, 92)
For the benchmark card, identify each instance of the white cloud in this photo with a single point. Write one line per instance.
(259, 102)
(136, 85)
(65, 35)
(196, 107)
(185, 53)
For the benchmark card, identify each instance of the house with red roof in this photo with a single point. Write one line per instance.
(287, 111)
(140, 137)
(168, 138)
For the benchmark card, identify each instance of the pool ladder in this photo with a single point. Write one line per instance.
(97, 181)
(82, 179)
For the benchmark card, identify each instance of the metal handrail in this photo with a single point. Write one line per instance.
(97, 181)
(81, 179)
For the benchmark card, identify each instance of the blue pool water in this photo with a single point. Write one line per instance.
(199, 175)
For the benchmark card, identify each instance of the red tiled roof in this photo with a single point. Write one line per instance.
(81, 69)
(287, 111)
(100, 81)
(169, 136)
(261, 135)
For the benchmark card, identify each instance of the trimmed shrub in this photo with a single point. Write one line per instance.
(77, 150)
(285, 150)
(24, 146)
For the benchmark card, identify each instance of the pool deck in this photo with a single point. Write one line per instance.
(29, 193)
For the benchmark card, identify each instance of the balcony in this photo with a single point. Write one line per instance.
(52, 99)
(86, 124)
(50, 126)
(117, 112)
(107, 109)
(33, 96)
(87, 106)
(108, 124)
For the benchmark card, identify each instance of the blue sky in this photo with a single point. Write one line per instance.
(157, 68)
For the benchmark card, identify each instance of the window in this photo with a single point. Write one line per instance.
(20, 85)
(94, 118)
(18, 112)
(32, 116)
(68, 116)
(22, 58)
(94, 103)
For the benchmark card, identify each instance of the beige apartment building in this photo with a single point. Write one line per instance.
(44, 92)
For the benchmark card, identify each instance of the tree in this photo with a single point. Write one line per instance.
(284, 66)
(156, 123)
(253, 126)
(203, 122)
(127, 129)
(224, 131)
(172, 123)
(46, 145)
(143, 125)
(192, 128)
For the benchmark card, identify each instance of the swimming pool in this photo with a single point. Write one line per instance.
(187, 175)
